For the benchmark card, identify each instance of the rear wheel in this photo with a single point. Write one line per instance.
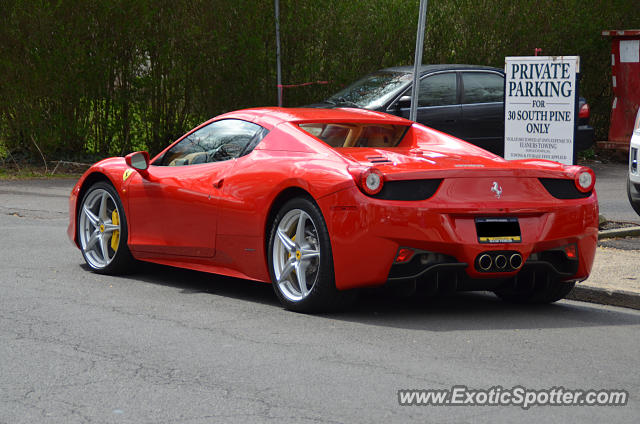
(301, 261)
(102, 230)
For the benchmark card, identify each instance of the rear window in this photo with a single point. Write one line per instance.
(482, 87)
(357, 134)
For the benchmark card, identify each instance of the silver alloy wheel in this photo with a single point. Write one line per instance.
(97, 228)
(296, 255)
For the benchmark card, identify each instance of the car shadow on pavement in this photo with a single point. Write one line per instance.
(460, 311)
(480, 311)
(193, 282)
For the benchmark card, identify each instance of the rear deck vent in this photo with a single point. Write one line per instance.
(378, 159)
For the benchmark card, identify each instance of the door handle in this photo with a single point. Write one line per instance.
(218, 183)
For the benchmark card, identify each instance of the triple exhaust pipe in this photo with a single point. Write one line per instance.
(499, 261)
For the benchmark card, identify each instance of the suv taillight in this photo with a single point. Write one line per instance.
(584, 111)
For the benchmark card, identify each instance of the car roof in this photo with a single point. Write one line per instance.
(425, 69)
(270, 117)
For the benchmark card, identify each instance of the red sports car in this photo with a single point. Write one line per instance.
(319, 202)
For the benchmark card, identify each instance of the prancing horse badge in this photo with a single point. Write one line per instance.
(496, 189)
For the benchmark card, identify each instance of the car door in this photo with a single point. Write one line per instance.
(438, 103)
(173, 208)
(483, 109)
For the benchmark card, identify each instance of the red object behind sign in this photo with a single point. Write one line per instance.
(625, 69)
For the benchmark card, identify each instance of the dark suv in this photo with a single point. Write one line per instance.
(466, 101)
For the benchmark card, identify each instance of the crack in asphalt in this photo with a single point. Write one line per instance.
(33, 213)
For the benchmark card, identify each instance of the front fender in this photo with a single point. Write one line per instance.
(112, 170)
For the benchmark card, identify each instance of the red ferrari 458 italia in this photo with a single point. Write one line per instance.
(319, 202)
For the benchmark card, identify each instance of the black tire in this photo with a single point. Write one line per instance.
(322, 294)
(634, 202)
(118, 260)
(540, 293)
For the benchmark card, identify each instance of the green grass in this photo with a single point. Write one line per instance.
(30, 172)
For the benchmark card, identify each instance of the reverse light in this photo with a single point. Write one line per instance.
(404, 255)
(585, 180)
(584, 111)
(369, 180)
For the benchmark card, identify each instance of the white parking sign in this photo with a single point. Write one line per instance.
(540, 104)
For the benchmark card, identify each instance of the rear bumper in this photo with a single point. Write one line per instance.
(584, 137)
(366, 234)
(452, 276)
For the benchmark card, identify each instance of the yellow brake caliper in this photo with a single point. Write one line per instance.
(115, 236)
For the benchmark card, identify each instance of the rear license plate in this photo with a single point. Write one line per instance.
(493, 230)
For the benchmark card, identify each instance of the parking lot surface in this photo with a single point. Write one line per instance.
(165, 345)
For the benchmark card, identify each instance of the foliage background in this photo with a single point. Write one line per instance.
(85, 78)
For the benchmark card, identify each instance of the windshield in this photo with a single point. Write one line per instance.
(372, 91)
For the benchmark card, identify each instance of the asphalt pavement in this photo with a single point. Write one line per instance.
(166, 345)
(611, 186)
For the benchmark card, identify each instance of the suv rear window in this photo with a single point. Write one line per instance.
(357, 134)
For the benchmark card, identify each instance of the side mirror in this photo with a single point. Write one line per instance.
(403, 102)
(138, 160)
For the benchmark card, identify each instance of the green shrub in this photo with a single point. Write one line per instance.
(103, 78)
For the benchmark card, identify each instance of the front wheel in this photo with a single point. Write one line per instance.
(634, 196)
(301, 261)
(102, 230)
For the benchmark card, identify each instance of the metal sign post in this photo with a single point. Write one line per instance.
(278, 71)
(418, 60)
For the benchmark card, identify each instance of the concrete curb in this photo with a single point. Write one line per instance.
(619, 232)
(624, 299)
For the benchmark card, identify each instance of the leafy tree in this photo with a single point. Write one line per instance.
(101, 78)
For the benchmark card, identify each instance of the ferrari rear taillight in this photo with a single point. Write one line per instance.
(571, 251)
(585, 179)
(369, 180)
(404, 255)
(584, 111)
